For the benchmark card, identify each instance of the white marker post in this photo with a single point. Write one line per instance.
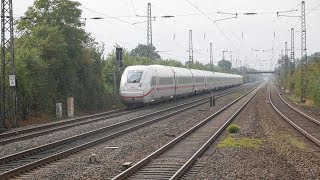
(12, 80)
(70, 107)
(59, 110)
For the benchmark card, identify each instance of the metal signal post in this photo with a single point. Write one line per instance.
(292, 54)
(8, 100)
(304, 61)
(211, 58)
(149, 26)
(117, 69)
(190, 49)
(285, 64)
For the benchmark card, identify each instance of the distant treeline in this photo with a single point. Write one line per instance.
(290, 78)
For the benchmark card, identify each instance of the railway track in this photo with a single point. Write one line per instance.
(26, 160)
(31, 132)
(173, 159)
(307, 125)
(18, 135)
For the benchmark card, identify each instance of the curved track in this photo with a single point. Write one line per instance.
(173, 160)
(307, 125)
(29, 159)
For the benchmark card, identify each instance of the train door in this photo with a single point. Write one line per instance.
(193, 88)
(154, 84)
(175, 83)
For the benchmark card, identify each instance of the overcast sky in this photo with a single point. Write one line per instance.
(263, 32)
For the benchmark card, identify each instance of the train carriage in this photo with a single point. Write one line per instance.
(199, 77)
(148, 84)
(184, 82)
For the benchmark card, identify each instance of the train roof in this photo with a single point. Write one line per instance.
(218, 74)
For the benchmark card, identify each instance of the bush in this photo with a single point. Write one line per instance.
(233, 128)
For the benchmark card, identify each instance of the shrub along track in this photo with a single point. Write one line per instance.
(172, 160)
(17, 163)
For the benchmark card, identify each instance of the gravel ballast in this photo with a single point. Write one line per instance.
(283, 154)
(128, 148)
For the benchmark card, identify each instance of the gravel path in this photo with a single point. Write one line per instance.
(284, 153)
(128, 148)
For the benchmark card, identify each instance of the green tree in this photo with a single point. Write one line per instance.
(56, 59)
(145, 51)
(225, 65)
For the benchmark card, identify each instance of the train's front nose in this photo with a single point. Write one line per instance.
(131, 91)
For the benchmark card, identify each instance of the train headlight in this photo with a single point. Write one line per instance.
(139, 86)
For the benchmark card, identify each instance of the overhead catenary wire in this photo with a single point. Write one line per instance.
(126, 22)
(212, 21)
(208, 18)
(297, 23)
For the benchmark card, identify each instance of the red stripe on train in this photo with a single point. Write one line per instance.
(161, 88)
(137, 96)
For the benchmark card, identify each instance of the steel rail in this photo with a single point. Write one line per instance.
(27, 133)
(9, 159)
(191, 161)
(62, 122)
(125, 174)
(298, 111)
(305, 133)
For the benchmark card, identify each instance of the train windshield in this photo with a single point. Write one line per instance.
(134, 76)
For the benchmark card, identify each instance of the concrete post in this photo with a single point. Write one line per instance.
(59, 110)
(70, 106)
(212, 100)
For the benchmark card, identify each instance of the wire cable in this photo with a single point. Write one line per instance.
(208, 18)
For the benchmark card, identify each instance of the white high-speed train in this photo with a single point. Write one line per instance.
(148, 84)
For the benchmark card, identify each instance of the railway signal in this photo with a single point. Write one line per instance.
(119, 59)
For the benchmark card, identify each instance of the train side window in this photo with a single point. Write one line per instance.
(165, 80)
(199, 80)
(184, 80)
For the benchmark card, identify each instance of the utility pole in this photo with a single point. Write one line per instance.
(211, 58)
(149, 26)
(223, 54)
(149, 30)
(285, 64)
(237, 61)
(8, 80)
(190, 49)
(304, 61)
(292, 54)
